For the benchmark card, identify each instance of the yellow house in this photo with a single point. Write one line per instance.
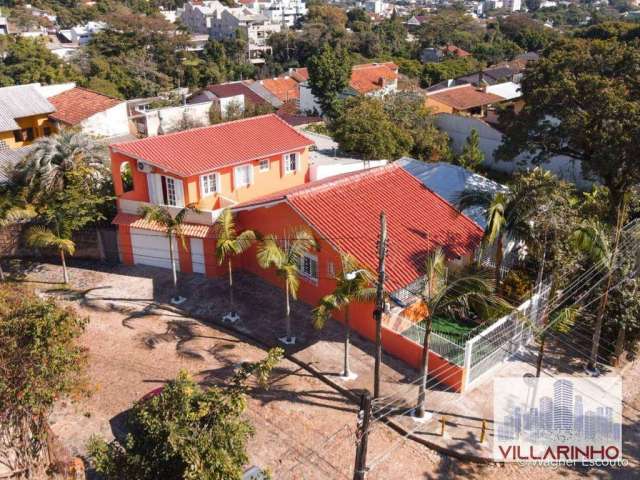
(24, 116)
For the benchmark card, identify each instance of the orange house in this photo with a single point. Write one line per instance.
(343, 215)
(212, 167)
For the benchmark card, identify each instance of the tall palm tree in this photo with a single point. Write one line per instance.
(468, 294)
(173, 228)
(13, 211)
(593, 239)
(43, 237)
(285, 258)
(230, 243)
(44, 169)
(353, 284)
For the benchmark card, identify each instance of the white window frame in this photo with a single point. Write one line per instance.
(264, 165)
(301, 267)
(236, 184)
(172, 190)
(286, 158)
(205, 183)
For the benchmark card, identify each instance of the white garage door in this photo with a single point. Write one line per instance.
(197, 255)
(152, 248)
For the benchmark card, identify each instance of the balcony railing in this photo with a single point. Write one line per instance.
(203, 217)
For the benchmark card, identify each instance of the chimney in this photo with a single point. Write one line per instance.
(382, 81)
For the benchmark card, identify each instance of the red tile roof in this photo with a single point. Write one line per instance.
(224, 90)
(188, 229)
(418, 219)
(367, 77)
(285, 88)
(200, 150)
(300, 74)
(456, 51)
(464, 97)
(75, 105)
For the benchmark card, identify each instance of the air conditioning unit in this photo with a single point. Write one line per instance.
(144, 167)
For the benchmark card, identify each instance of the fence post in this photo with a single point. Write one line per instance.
(468, 346)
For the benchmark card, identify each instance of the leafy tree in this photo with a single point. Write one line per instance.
(364, 128)
(353, 284)
(285, 257)
(43, 237)
(529, 34)
(532, 5)
(41, 362)
(469, 294)
(27, 60)
(329, 74)
(581, 101)
(442, 28)
(172, 225)
(186, 432)
(228, 244)
(472, 156)
(433, 73)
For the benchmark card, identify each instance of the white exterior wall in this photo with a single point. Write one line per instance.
(459, 128)
(56, 89)
(197, 113)
(113, 122)
(308, 102)
(318, 172)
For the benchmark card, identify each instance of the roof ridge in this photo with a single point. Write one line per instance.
(91, 91)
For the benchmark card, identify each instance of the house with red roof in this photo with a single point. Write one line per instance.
(373, 79)
(211, 167)
(343, 214)
(92, 112)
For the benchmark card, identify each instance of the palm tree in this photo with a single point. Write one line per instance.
(44, 169)
(468, 294)
(173, 227)
(13, 212)
(352, 285)
(43, 237)
(285, 260)
(592, 238)
(230, 243)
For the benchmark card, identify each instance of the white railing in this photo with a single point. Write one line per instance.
(503, 338)
(203, 217)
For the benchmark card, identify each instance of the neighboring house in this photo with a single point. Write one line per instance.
(24, 116)
(94, 113)
(418, 221)
(282, 12)
(285, 89)
(9, 158)
(150, 122)
(225, 92)
(213, 167)
(438, 54)
(82, 34)
(462, 100)
(373, 79)
(299, 74)
(416, 21)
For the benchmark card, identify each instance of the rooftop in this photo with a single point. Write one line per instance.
(77, 104)
(366, 78)
(231, 89)
(415, 227)
(285, 88)
(21, 101)
(463, 97)
(201, 150)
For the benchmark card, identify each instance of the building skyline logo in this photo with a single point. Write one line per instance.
(562, 419)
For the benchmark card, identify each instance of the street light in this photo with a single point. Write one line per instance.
(352, 275)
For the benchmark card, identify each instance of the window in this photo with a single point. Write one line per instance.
(24, 135)
(126, 177)
(169, 191)
(308, 266)
(264, 165)
(290, 162)
(47, 131)
(242, 175)
(209, 184)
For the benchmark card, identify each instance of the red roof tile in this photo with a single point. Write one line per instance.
(464, 97)
(418, 220)
(200, 150)
(456, 51)
(136, 221)
(75, 105)
(224, 90)
(285, 88)
(367, 77)
(300, 74)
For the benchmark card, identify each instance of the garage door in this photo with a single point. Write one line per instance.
(152, 248)
(197, 255)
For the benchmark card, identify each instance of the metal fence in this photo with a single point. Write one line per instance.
(449, 348)
(503, 338)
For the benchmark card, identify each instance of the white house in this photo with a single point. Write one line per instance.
(94, 113)
(82, 34)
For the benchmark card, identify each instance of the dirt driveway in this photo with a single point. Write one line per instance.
(304, 428)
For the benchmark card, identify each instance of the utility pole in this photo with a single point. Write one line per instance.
(377, 314)
(362, 436)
